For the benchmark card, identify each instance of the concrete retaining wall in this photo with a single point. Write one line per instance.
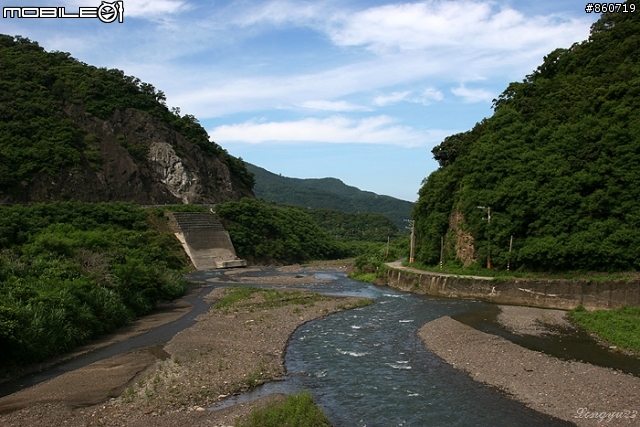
(562, 294)
(205, 240)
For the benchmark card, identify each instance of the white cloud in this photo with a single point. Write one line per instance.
(424, 97)
(145, 8)
(427, 95)
(409, 44)
(392, 98)
(278, 12)
(472, 95)
(336, 129)
(343, 106)
(460, 25)
(217, 95)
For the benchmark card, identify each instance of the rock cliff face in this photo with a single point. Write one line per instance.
(464, 244)
(135, 157)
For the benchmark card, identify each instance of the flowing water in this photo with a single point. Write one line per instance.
(367, 367)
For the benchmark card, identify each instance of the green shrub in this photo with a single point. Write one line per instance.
(70, 271)
(296, 411)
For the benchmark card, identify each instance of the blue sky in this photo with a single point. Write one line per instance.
(357, 90)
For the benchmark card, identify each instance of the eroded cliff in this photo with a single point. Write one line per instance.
(133, 156)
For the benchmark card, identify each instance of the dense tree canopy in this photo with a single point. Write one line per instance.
(364, 226)
(70, 271)
(36, 133)
(268, 233)
(558, 162)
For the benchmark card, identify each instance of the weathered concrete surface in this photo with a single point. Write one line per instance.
(561, 294)
(205, 240)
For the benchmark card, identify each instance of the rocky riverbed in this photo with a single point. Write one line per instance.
(230, 350)
(225, 352)
(581, 393)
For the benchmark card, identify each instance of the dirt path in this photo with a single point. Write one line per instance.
(580, 393)
(225, 352)
(398, 265)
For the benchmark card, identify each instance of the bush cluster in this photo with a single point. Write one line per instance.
(296, 411)
(70, 271)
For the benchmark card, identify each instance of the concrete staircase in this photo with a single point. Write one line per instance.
(205, 240)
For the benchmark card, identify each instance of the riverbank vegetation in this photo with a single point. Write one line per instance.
(619, 327)
(557, 164)
(263, 232)
(296, 411)
(476, 270)
(240, 298)
(370, 264)
(70, 271)
(361, 227)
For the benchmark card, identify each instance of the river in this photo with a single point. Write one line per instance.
(367, 367)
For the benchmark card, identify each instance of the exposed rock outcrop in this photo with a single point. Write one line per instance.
(464, 243)
(135, 157)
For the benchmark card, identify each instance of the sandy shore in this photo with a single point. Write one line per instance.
(225, 352)
(580, 393)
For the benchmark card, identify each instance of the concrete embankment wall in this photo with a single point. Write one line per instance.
(205, 240)
(562, 294)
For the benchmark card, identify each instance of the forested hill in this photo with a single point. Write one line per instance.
(327, 193)
(558, 163)
(69, 130)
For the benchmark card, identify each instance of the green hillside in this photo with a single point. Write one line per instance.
(327, 193)
(558, 163)
(50, 104)
(362, 226)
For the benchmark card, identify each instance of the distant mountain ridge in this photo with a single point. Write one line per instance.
(326, 193)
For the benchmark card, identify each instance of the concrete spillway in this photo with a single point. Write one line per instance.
(205, 240)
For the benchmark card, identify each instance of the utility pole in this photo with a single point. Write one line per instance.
(509, 259)
(413, 241)
(488, 209)
(441, 251)
(387, 254)
(412, 224)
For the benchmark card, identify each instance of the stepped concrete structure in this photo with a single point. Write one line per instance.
(205, 240)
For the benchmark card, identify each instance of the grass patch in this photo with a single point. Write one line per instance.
(475, 270)
(364, 302)
(362, 277)
(296, 411)
(234, 295)
(620, 327)
(257, 298)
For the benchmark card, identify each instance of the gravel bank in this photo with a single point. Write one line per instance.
(577, 392)
(226, 352)
(533, 321)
